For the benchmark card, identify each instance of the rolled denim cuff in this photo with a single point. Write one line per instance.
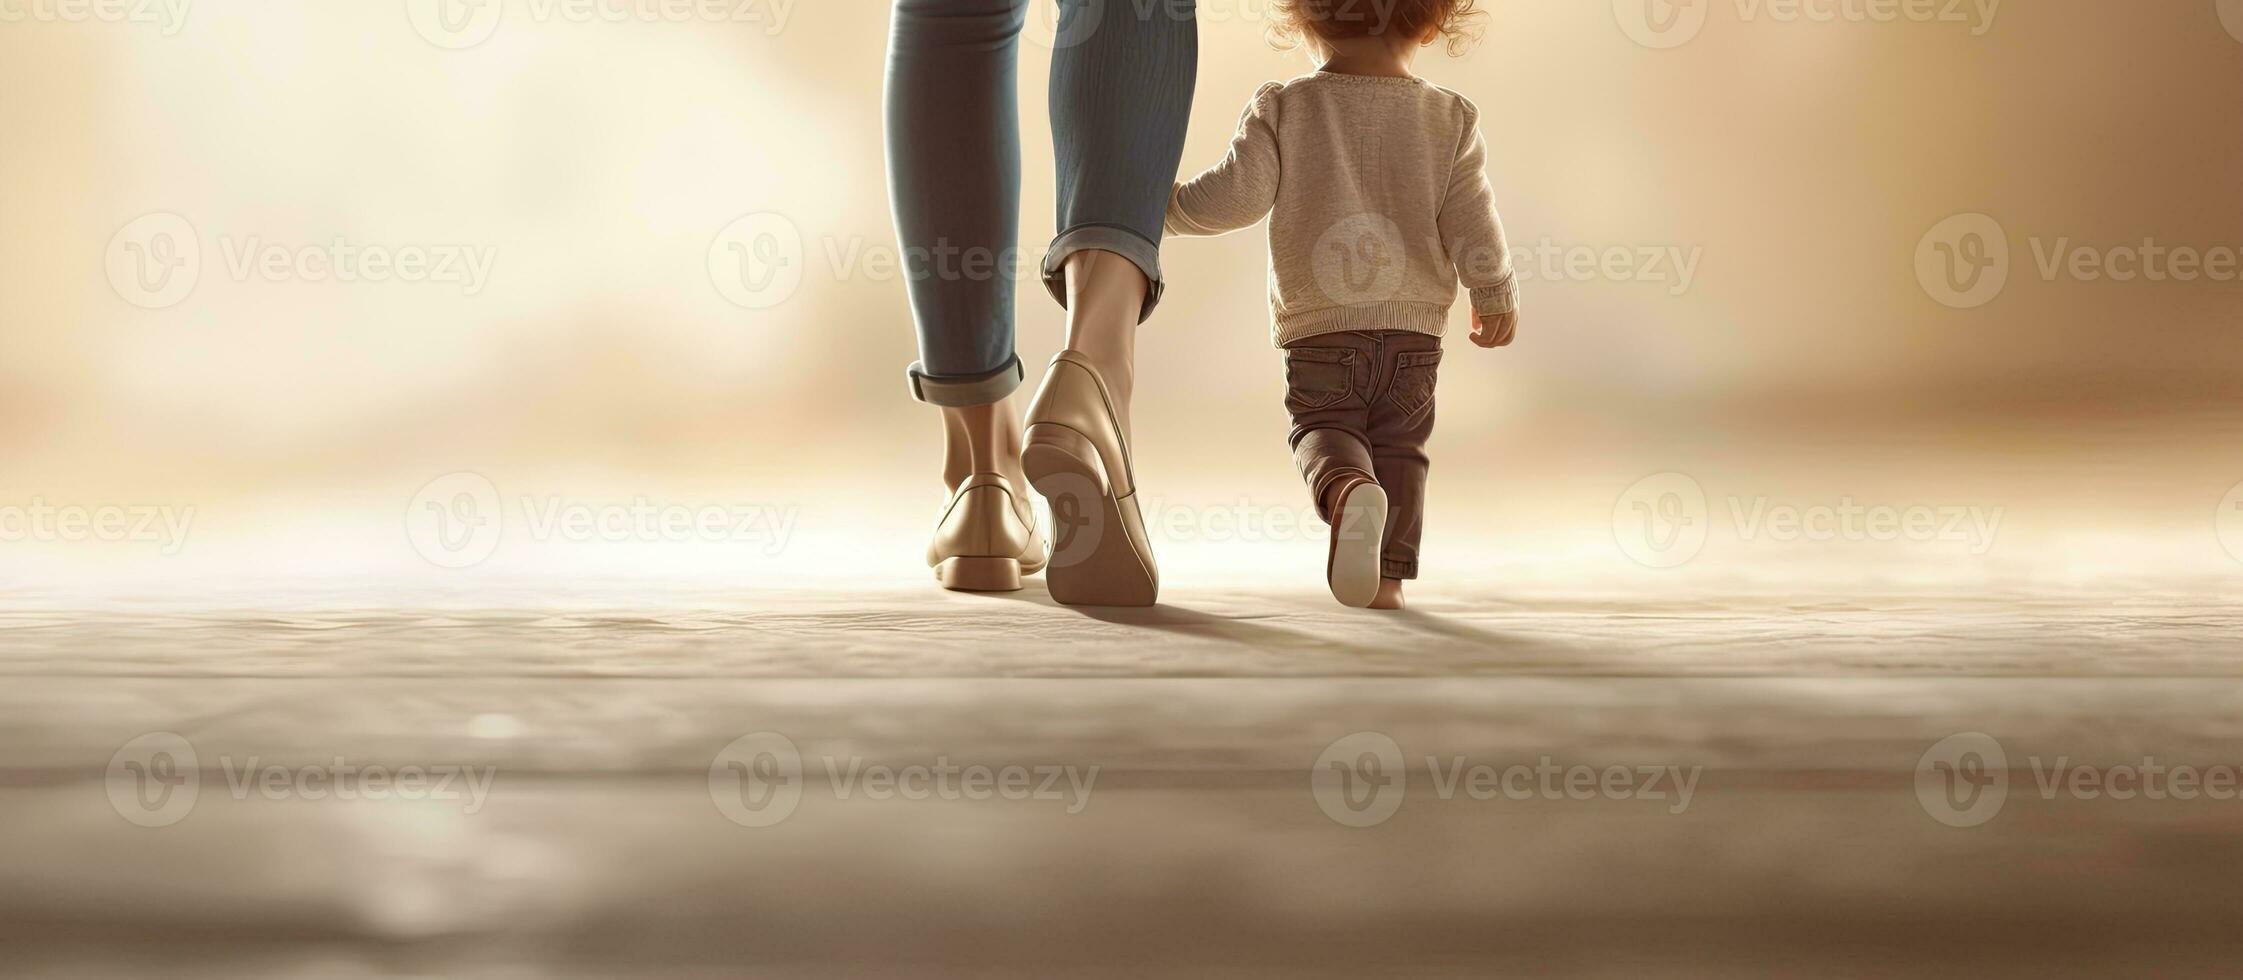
(1105, 238)
(1403, 570)
(966, 392)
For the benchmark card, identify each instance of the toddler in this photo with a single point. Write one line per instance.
(1375, 185)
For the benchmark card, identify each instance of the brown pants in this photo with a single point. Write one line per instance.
(1362, 404)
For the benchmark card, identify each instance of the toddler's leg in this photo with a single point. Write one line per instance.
(1328, 458)
(1401, 423)
(1327, 390)
(1327, 383)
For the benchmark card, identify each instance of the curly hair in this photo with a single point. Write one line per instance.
(1334, 20)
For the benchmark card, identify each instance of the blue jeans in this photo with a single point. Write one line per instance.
(1122, 76)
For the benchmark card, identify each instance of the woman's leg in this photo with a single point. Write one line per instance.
(1105, 302)
(1121, 97)
(1121, 94)
(954, 182)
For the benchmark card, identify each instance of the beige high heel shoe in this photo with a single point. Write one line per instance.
(1078, 459)
(984, 543)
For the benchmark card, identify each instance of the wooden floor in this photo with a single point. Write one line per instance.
(1240, 784)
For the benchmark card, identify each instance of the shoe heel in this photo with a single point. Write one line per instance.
(979, 574)
(1059, 460)
(1358, 539)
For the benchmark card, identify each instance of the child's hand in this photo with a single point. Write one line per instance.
(1495, 331)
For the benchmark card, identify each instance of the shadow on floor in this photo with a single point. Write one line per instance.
(1427, 624)
(1414, 628)
(1177, 619)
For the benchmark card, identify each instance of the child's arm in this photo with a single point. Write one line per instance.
(1238, 191)
(1473, 234)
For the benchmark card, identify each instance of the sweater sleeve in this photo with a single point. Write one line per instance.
(1240, 190)
(1473, 232)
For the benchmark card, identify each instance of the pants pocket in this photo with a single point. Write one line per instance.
(1318, 377)
(1415, 373)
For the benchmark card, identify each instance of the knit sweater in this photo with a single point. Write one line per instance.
(1377, 193)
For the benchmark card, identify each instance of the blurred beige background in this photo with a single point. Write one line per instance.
(596, 163)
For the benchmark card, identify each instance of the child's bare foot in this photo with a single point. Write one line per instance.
(1390, 594)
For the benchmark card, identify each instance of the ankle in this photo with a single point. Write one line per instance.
(1118, 371)
(982, 439)
(1335, 491)
(1105, 297)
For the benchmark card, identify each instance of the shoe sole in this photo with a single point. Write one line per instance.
(1096, 557)
(979, 574)
(1358, 539)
